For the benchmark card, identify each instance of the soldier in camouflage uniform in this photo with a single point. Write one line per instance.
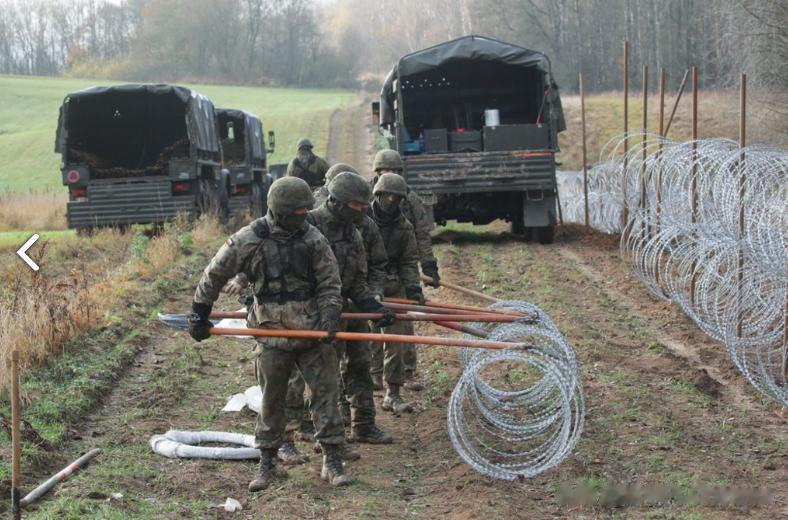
(389, 161)
(308, 166)
(296, 283)
(402, 279)
(348, 201)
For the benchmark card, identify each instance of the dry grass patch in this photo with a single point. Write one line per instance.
(33, 211)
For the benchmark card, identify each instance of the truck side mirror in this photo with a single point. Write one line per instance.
(376, 113)
(271, 141)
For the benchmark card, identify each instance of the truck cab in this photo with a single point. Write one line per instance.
(476, 121)
(139, 154)
(244, 160)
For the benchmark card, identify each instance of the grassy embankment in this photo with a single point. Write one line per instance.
(31, 194)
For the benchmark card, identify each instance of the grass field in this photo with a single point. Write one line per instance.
(29, 110)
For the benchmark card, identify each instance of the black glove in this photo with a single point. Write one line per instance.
(198, 321)
(430, 268)
(414, 293)
(388, 318)
(330, 323)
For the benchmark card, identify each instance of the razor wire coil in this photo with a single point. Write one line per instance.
(725, 263)
(517, 429)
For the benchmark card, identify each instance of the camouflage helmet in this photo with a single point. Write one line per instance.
(339, 168)
(348, 186)
(288, 194)
(391, 183)
(387, 160)
(304, 143)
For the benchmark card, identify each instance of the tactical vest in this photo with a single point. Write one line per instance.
(391, 232)
(343, 245)
(281, 269)
(311, 177)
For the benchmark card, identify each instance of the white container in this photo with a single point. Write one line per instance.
(492, 117)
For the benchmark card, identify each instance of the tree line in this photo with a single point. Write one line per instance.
(342, 42)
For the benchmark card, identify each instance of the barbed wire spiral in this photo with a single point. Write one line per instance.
(527, 418)
(725, 263)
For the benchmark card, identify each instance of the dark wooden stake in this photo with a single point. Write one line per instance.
(16, 442)
(585, 162)
(694, 170)
(625, 212)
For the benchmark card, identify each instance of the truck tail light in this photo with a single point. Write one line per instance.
(240, 190)
(181, 188)
(80, 193)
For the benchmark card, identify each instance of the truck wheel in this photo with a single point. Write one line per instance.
(517, 227)
(545, 234)
(256, 200)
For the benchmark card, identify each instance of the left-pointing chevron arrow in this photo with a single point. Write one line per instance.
(22, 252)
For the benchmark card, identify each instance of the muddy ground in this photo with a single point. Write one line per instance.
(665, 407)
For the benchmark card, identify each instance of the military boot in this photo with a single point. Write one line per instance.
(306, 431)
(394, 403)
(370, 434)
(411, 383)
(333, 471)
(377, 382)
(266, 471)
(346, 452)
(289, 454)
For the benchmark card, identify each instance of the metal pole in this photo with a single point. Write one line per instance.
(16, 442)
(742, 181)
(364, 336)
(643, 143)
(694, 170)
(60, 476)
(676, 102)
(658, 180)
(585, 162)
(463, 290)
(625, 213)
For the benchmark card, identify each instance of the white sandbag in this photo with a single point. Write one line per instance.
(176, 444)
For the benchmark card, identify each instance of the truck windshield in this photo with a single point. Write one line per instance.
(127, 133)
(233, 134)
(455, 96)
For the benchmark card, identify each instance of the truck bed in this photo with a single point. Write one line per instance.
(481, 171)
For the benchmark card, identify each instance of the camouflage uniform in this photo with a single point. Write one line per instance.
(296, 283)
(348, 246)
(308, 166)
(413, 209)
(402, 280)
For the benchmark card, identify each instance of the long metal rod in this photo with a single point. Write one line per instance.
(60, 476)
(625, 212)
(643, 143)
(456, 307)
(585, 160)
(16, 441)
(364, 336)
(463, 290)
(658, 180)
(742, 183)
(423, 314)
(676, 102)
(694, 171)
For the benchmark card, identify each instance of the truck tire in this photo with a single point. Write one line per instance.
(545, 234)
(257, 204)
(517, 227)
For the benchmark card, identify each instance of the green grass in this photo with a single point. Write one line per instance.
(14, 239)
(29, 111)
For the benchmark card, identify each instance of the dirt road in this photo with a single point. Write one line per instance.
(665, 407)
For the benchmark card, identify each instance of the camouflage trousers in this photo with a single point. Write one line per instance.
(317, 366)
(409, 357)
(354, 381)
(387, 358)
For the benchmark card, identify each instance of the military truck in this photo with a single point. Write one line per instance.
(244, 160)
(476, 121)
(139, 154)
